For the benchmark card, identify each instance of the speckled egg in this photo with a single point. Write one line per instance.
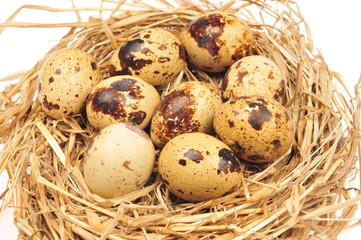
(113, 163)
(198, 167)
(155, 55)
(256, 128)
(254, 75)
(65, 80)
(216, 40)
(189, 107)
(122, 99)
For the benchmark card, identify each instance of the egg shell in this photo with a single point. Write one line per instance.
(113, 162)
(254, 75)
(65, 80)
(256, 128)
(155, 55)
(216, 40)
(122, 99)
(188, 107)
(198, 167)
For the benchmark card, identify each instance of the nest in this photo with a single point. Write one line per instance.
(303, 195)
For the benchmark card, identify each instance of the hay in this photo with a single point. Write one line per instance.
(303, 195)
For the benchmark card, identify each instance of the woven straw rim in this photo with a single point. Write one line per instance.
(303, 195)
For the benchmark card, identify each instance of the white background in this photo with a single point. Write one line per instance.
(335, 27)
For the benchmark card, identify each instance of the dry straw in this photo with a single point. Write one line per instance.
(303, 195)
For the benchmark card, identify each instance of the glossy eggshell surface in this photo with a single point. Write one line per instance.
(197, 167)
(65, 80)
(189, 107)
(216, 40)
(154, 55)
(257, 129)
(122, 99)
(254, 75)
(113, 162)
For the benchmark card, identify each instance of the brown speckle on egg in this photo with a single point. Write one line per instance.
(194, 155)
(228, 162)
(208, 37)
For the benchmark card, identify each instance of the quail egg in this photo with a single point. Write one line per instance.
(256, 128)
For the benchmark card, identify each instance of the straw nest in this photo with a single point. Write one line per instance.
(303, 195)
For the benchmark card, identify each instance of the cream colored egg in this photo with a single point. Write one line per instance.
(189, 107)
(65, 80)
(122, 99)
(198, 167)
(254, 75)
(155, 55)
(256, 128)
(216, 40)
(119, 160)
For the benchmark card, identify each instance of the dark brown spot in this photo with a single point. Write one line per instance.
(127, 58)
(228, 162)
(259, 115)
(49, 105)
(241, 75)
(113, 71)
(241, 51)
(137, 117)
(126, 165)
(276, 143)
(182, 162)
(162, 47)
(163, 59)
(51, 79)
(77, 95)
(146, 35)
(207, 152)
(238, 149)
(230, 123)
(177, 109)
(262, 100)
(206, 31)
(108, 101)
(181, 191)
(182, 52)
(94, 65)
(270, 76)
(123, 85)
(278, 117)
(156, 72)
(194, 155)
(58, 71)
(128, 85)
(279, 93)
(77, 69)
